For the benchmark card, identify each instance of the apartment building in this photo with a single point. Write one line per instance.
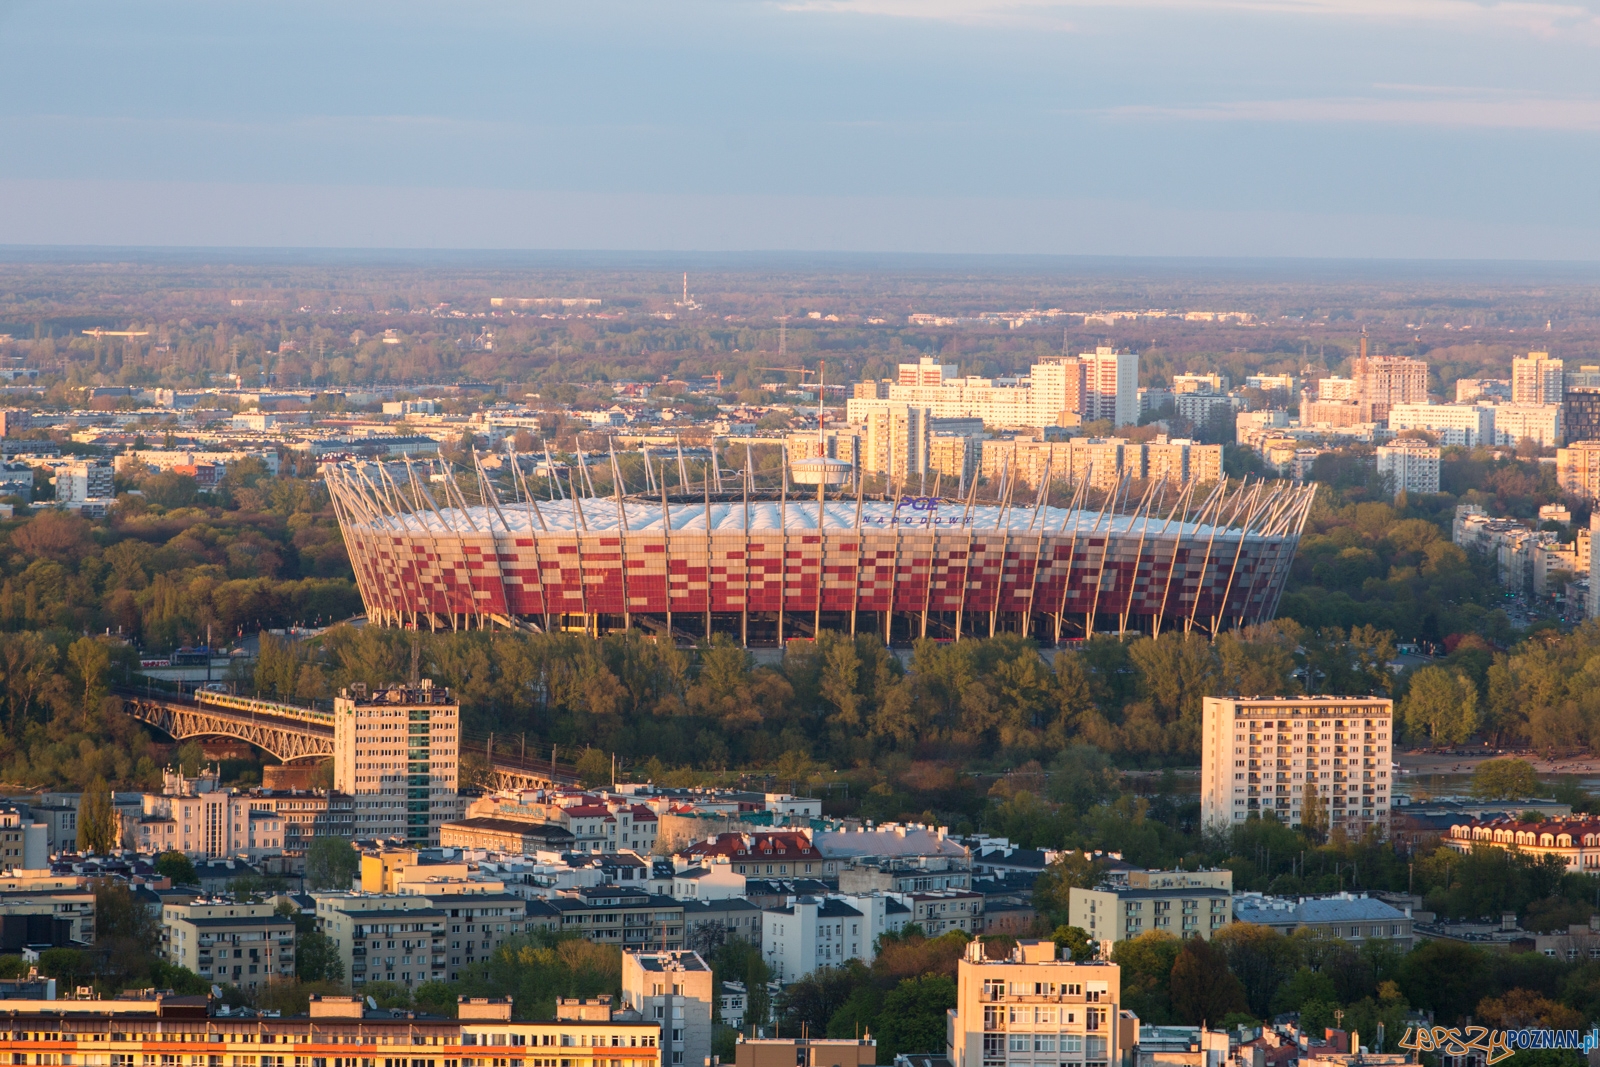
(1060, 385)
(1537, 379)
(1409, 465)
(1353, 917)
(1103, 462)
(1110, 386)
(395, 755)
(808, 933)
(806, 1052)
(38, 906)
(479, 923)
(941, 911)
(1578, 469)
(1268, 754)
(1467, 425)
(24, 843)
(303, 815)
(737, 916)
(1034, 1009)
(1204, 408)
(1199, 383)
(632, 918)
(384, 938)
(673, 990)
(925, 372)
(122, 1031)
(1540, 423)
(195, 817)
(246, 945)
(1507, 541)
(777, 853)
(582, 1034)
(1181, 908)
(954, 457)
(894, 436)
(79, 483)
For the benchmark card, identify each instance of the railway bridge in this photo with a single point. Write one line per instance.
(293, 733)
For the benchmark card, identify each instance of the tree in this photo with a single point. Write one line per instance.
(1076, 940)
(1314, 815)
(316, 959)
(331, 863)
(191, 759)
(178, 867)
(1505, 779)
(1202, 988)
(1052, 890)
(1261, 958)
(913, 1016)
(1441, 705)
(1146, 963)
(91, 663)
(170, 489)
(594, 768)
(97, 819)
(813, 1000)
(1450, 978)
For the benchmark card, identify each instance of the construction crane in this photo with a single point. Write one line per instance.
(802, 371)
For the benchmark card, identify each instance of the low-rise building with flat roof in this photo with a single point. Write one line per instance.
(1352, 917)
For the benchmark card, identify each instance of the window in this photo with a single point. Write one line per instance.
(1020, 1043)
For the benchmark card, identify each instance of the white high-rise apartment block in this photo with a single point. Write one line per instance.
(396, 752)
(1411, 466)
(1034, 1009)
(80, 482)
(1537, 379)
(1111, 386)
(1266, 754)
(1469, 425)
(1542, 423)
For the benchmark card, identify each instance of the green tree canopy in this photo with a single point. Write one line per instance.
(331, 863)
(178, 867)
(1505, 779)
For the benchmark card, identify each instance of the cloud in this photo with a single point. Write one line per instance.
(1578, 19)
(1444, 106)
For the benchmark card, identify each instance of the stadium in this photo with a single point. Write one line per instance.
(771, 565)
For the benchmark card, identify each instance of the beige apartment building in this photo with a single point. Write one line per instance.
(1033, 1009)
(246, 945)
(387, 938)
(581, 1035)
(395, 753)
(1180, 908)
(1268, 754)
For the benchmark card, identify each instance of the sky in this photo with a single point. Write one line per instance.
(1408, 129)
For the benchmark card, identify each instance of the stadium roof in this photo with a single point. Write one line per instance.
(599, 515)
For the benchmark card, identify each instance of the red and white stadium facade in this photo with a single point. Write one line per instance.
(769, 567)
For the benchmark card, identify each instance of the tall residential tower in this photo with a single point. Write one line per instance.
(396, 751)
(1268, 754)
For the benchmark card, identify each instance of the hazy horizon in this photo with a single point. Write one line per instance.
(1412, 129)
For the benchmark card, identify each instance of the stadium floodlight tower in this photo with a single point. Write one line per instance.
(820, 470)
